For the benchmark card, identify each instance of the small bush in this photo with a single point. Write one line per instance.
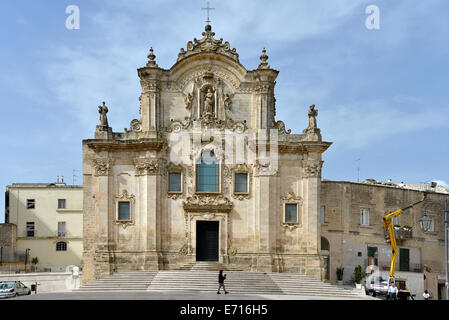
(358, 274)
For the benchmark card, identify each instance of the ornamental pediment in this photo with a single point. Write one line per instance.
(209, 45)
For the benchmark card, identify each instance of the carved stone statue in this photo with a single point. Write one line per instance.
(312, 116)
(103, 110)
(188, 100)
(227, 101)
(227, 105)
(209, 101)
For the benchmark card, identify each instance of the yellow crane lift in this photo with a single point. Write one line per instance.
(388, 226)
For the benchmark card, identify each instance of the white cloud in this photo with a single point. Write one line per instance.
(357, 125)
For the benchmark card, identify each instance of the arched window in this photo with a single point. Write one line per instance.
(207, 170)
(61, 246)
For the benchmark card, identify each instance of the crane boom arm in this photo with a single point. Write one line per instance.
(388, 226)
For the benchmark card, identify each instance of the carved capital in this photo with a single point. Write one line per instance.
(265, 168)
(312, 168)
(102, 166)
(147, 166)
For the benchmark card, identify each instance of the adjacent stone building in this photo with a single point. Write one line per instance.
(205, 174)
(46, 219)
(352, 230)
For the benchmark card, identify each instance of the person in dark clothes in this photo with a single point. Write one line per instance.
(221, 279)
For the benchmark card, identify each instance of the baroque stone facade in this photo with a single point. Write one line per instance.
(266, 200)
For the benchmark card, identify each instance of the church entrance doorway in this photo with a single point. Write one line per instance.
(207, 240)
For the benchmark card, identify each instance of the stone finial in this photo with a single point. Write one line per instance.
(264, 58)
(151, 59)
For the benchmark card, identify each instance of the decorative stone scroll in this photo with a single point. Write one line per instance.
(312, 168)
(280, 125)
(135, 126)
(102, 166)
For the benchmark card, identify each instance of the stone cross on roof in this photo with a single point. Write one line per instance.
(208, 8)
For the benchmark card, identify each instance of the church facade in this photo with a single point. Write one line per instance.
(205, 174)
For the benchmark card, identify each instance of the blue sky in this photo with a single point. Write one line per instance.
(382, 95)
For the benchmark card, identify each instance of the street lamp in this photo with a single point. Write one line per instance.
(26, 258)
(426, 222)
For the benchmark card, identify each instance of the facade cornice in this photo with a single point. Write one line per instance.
(125, 145)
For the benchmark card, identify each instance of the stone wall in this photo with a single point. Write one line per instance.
(8, 236)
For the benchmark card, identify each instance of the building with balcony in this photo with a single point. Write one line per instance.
(352, 230)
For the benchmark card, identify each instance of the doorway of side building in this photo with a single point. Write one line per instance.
(325, 253)
(207, 240)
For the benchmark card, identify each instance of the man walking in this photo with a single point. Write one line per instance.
(221, 279)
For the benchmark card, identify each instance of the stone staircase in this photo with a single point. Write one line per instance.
(237, 282)
(208, 266)
(122, 281)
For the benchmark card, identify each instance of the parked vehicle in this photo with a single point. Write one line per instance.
(376, 285)
(13, 289)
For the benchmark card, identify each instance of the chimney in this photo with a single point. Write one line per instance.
(57, 181)
(62, 179)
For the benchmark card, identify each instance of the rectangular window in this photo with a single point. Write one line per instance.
(30, 229)
(61, 203)
(31, 204)
(241, 183)
(207, 173)
(174, 182)
(291, 212)
(61, 229)
(404, 259)
(364, 217)
(373, 256)
(124, 210)
(323, 214)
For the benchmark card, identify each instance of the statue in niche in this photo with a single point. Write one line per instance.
(103, 110)
(188, 100)
(227, 105)
(209, 102)
(312, 117)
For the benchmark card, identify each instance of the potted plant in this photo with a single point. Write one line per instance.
(340, 271)
(358, 276)
(34, 262)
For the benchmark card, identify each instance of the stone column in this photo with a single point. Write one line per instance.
(267, 200)
(101, 189)
(150, 103)
(312, 183)
(149, 170)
